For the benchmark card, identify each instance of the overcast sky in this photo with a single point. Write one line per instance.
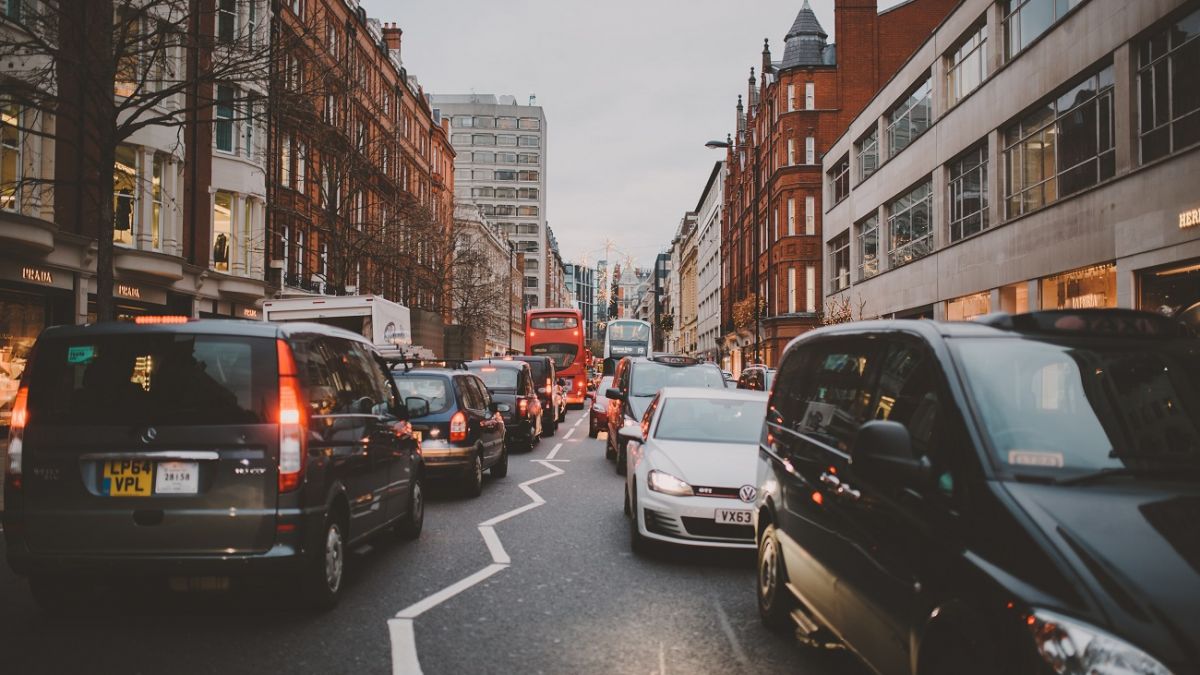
(631, 89)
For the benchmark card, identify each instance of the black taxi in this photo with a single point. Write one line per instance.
(1014, 495)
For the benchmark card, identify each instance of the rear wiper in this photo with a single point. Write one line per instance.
(1161, 472)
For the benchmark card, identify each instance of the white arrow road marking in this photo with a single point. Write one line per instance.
(400, 628)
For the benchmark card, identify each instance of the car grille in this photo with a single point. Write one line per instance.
(711, 529)
(723, 492)
(661, 523)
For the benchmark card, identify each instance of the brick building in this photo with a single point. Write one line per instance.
(362, 169)
(795, 109)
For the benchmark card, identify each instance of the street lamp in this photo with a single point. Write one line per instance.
(511, 264)
(728, 144)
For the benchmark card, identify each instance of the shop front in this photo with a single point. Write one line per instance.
(969, 307)
(32, 298)
(1087, 288)
(137, 298)
(1173, 290)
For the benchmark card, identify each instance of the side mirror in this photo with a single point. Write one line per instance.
(417, 406)
(631, 433)
(562, 381)
(882, 452)
(614, 394)
(500, 407)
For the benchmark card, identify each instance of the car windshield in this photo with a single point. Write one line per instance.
(152, 379)
(554, 322)
(1078, 408)
(715, 420)
(562, 354)
(497, 378)
(648, 377)
(432, 389)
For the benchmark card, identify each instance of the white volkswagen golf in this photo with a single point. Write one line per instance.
(692, 468)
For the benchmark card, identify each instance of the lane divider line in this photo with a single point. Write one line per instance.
(578, 422)
(401, 629)
(569, 433)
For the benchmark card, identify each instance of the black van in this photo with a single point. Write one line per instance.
(548, 384)
(1016, 495)
(204, 448)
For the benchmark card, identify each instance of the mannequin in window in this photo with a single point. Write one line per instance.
(123, 214)
(221, 252)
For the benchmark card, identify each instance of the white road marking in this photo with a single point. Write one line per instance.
(577, 422)
(568, 434)
(662, 660)
(554, 451)
(727, 628)
(400, 628)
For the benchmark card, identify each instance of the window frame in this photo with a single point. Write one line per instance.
(904, 111)
(958, 172)
(973, 45)
(1148, 62)
(911, 248)
(839, 247)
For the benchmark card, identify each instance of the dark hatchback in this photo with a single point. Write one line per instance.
(458, 424)
(204, 448)
(756, 378)
(1018, 495)
(511, 385)
(547, 383)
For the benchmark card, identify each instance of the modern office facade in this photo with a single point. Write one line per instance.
(581, 287)
(501, 165)
(1032, 154)
(708, 265)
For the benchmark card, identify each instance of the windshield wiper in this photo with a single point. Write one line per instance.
(1159, 472)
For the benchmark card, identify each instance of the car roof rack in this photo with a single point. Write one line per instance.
(397, 357)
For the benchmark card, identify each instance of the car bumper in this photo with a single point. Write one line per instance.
(444, 457)
(691, 521)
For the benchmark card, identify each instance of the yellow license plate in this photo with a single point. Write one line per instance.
(128, 478)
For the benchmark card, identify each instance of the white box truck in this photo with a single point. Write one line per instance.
(387, 324)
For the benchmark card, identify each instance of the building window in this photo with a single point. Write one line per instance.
(839, 179)
(482, 174)
(156, 201)
(966, 65)
(483, 139)
(868, 248)
(506, 175)
(483, 192)
(483, 157)
(968, 193)
(506, 141)
(791, 97)
(969, 307)
(460, 139)
(529, 176)
(868, 155)
(528, 159)
(810, 96)
(529, 141)
(485, 122)
(285, 160)
(223, 134)
(1081, 289)
(528, 211)
(222, 231)
(11, 9)
(506, 123)
(810, 215)
(1025, 20)
(125, 187)
(810, 289)
(301, 165)
(791, 152)
(530, 123)
(910, 118)
(791, 216)
(839, 262)
(1062, 147)
(810, 150)
(911, 234)
(1170, 100)
(10, 156)
(227, 21)
(791, 290)
(461, 122)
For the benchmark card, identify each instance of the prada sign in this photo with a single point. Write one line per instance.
(37, 275)
(127, 291)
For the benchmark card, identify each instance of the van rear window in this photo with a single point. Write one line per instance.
(147, 379)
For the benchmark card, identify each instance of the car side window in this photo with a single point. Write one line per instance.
(648, 416)
(829, 400)
(320, 373)
(481, 393)
(369, 380)
(910, 392)
(470, 394)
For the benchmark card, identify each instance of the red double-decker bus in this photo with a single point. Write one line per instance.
(558, 333)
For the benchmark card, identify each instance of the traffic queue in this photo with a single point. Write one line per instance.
(1010, 495)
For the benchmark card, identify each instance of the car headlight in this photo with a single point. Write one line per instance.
(665, 483)
(1074, 648)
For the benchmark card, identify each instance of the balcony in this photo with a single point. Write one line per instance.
(26, 233)
(148, 264)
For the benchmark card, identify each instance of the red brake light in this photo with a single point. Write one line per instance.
(20, 411)
(292, 422)
(16, 437)
(458, 427)
(523, 406)
(159, 320)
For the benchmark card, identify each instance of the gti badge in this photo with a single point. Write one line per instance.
(149, 435)
(747, 493)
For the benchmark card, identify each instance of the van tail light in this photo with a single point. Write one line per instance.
(293, 424)
(523, 407)
(16, 437)
(458, 427)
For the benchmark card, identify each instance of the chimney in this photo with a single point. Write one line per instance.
(391, 37)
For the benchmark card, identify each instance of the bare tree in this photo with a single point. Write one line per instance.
(842, 310)
(104, 70)
(479, 280)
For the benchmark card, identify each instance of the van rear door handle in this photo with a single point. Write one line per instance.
(830, 480)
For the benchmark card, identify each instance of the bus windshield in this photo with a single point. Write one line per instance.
(628, 332)
(561, 353)
(553, 322)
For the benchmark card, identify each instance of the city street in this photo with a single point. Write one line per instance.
(573, 599)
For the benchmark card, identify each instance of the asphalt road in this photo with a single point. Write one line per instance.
(562, 594)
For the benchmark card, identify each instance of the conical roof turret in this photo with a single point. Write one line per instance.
(805, 41)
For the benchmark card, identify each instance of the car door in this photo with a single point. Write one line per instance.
(901, 533)
(491, 429)
(372, 400)
(816, 412)
(394, 455)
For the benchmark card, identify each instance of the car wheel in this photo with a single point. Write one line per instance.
(500, 468)
(472, 481)
(775, 602)
(610, 451)
(321, 581)
(409, 527)
(53, 594)
(592, 430)
(548, 428)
